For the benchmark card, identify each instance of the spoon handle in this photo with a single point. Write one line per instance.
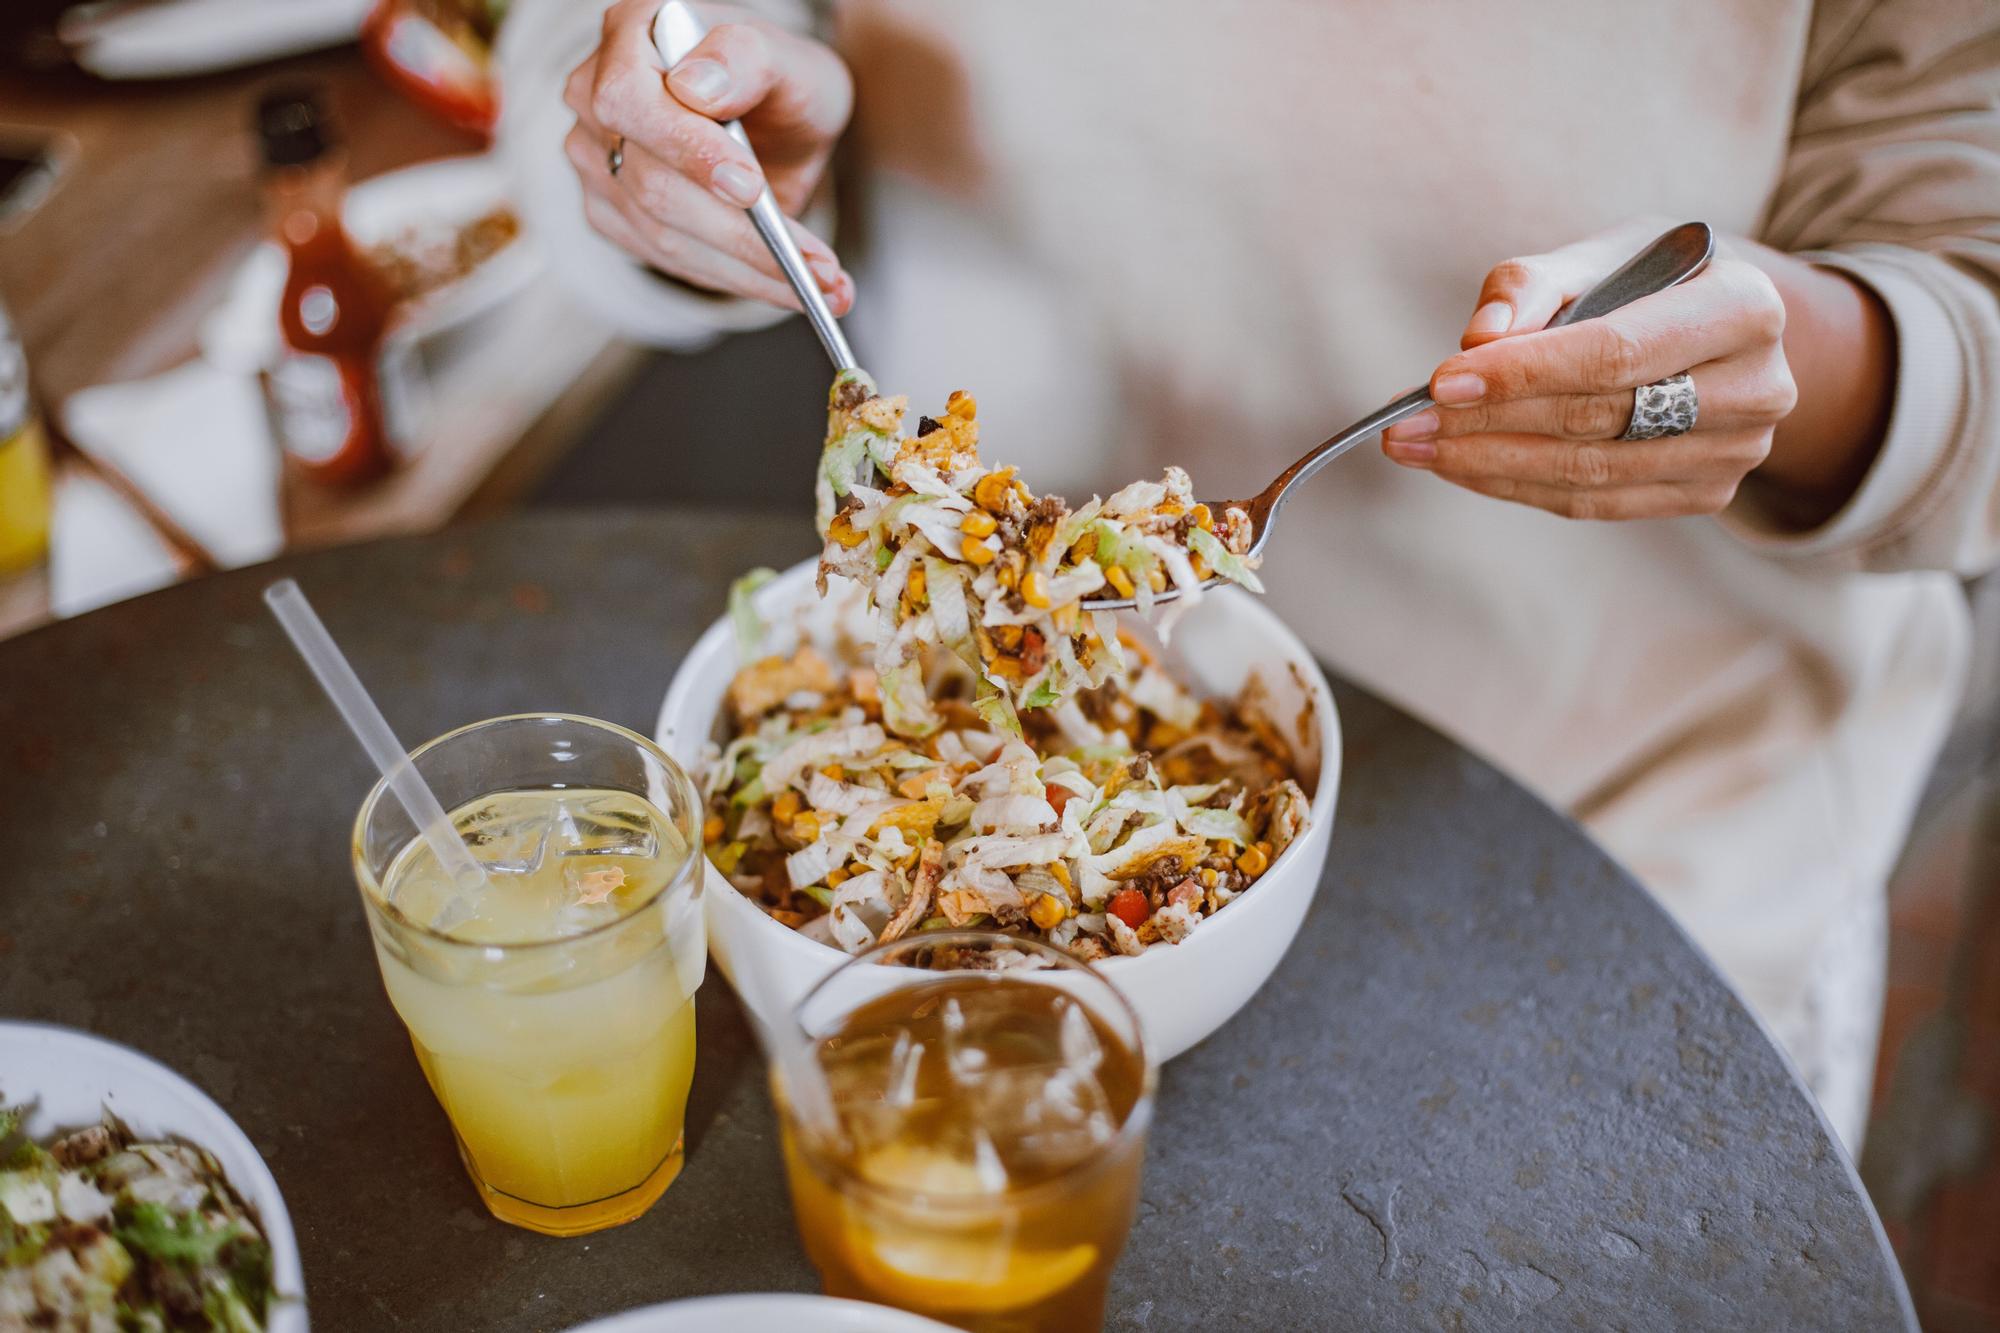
(1673, 258)
(677, 30)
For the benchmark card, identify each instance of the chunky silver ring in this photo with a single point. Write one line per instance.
(1668, 407)
(617, 157)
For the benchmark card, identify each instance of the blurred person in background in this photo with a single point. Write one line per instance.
(1155, 233)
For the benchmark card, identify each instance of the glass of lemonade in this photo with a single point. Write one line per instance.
(979, 1161)
(551, 1009)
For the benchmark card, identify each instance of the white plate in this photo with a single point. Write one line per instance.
(70, 1079)
(241, 333)
(758, 1313)
(189, 37)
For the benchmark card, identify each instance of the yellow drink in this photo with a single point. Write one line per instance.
(552, 1009)
(24, 496)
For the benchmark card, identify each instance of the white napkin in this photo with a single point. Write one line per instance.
(195, 440)
(100, 549)
(200, 36)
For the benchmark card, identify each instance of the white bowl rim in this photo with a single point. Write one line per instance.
(260, 1189)
(1321, 803)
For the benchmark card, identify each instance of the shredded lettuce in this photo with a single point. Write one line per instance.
(1222, 560)
(743, 616)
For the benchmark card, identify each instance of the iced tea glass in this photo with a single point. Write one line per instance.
(979, 1160)
(552, 1007)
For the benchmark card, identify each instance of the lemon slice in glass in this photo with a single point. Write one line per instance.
(976, 1267)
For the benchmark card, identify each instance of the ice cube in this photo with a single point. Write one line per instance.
(1055, 1116)
(1081, 1048)
(964, 1058)
(906, 1059)
(988, 1169)
(509, 843)
(613, 825)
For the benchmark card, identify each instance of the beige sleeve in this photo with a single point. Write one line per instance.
(1894, 178)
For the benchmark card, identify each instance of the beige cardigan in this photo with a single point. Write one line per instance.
(1149, 232)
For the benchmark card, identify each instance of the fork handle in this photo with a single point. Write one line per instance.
(677, 30)
(1672, 258)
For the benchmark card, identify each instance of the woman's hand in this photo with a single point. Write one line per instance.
(1533, 414)
(677, 201)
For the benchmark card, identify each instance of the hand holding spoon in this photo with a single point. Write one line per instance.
(1675, 257)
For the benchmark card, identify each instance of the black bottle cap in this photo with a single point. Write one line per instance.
(293, 126)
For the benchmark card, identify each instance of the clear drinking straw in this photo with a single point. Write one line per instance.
(365, 720)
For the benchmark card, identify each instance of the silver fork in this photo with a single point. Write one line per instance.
(677, 30)
(1678, 254)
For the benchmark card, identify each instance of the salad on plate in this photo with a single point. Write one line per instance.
(101, 1232)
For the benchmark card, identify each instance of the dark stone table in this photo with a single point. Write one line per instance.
(1490, 1087)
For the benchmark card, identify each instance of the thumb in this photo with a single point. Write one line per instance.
(1522, 295)
(788, 85)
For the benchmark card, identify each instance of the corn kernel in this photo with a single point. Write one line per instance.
(837, 876)
(1201, 569)
(915, 588)
(711, 829)
(1035, 589)
(976, 551)
(1253, 862)
(1060, 869)
(1048, 911)
(991, 491)
(1156, 579)
(806, 827)
(1209, 878)
(834, 771)
(1007, 638)
(842, 530)
(1008, 578)
(1120, 581)
(978, 523)
(1066, 617)
(1203, 519)
(786, 807)
(962, 405)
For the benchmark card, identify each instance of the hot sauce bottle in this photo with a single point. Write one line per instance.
(325, 391)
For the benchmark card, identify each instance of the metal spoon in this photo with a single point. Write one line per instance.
(677, 30)
(1672, 259)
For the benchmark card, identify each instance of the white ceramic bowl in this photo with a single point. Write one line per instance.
(1182, 992)
(741, 1314)
(70, 1079)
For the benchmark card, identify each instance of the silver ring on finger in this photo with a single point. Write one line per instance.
(616, 158)
(1666, 407)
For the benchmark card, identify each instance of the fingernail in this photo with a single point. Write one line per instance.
(702, 80)
(1459, 388)
(737, 184)
(1493, 317)
(1422, 426)
(1414, 453)
(826, 269)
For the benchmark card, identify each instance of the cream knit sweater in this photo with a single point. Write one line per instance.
(1150, 232)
